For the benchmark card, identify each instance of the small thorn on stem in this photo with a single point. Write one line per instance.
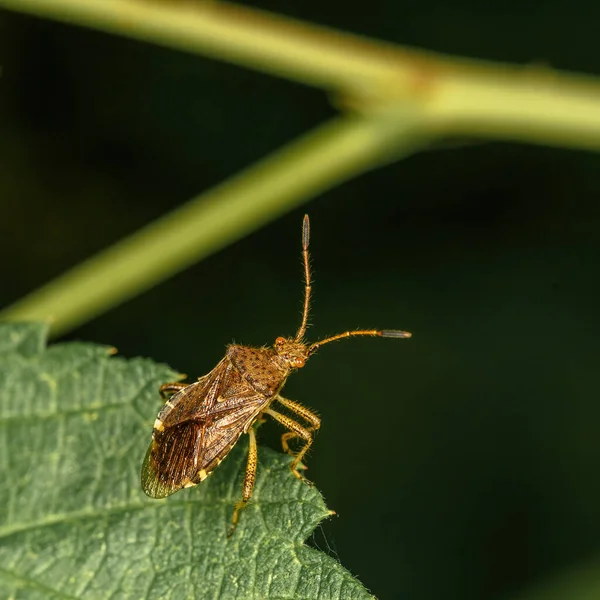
(395, 333)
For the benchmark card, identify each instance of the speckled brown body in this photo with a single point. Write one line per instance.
(201, 422)
(262, 368)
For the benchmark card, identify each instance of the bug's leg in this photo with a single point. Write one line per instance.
(168, 389)
(305, 413)
(249, 480)
(285, 438)
(301, 410)
(298, 431)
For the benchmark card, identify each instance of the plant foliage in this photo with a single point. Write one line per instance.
(74, 426)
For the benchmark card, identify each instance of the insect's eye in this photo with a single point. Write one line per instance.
(299, 362)
(280, 341)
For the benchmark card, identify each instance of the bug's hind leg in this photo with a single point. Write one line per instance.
(285, 438)
(299, 409)
(249, 480)
(298, 431)
(167, 390)
(306, 414)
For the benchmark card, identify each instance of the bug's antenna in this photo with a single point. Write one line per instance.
(387, 333)
(307, 286)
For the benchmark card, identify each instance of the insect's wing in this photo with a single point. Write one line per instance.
(225, 429)
(197, 428)
(171, 460)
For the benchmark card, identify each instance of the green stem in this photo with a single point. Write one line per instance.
(333, 153)
(457, 96)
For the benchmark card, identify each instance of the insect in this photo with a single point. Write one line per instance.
(201, 422)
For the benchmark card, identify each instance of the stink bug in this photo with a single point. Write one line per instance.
(200, 422)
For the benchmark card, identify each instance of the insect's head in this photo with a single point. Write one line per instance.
(293, 353)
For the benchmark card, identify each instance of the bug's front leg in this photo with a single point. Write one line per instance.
(167, 390)
(249, 480)
(305, 413)
(298, 431)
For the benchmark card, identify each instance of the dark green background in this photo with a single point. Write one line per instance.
(462, 463)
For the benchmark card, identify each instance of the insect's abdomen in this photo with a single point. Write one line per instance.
(260, 367)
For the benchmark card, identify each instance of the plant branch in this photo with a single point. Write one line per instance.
(329, 155)
(458, 96)
(399, 98)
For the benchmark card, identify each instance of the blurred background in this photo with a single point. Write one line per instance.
(462, 463)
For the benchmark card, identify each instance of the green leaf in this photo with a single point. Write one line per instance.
(74, 426)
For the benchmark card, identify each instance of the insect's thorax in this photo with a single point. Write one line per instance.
(262, 368)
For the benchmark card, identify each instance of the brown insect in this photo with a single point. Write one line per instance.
(200, 422)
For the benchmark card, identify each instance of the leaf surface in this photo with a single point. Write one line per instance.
(74, 426)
